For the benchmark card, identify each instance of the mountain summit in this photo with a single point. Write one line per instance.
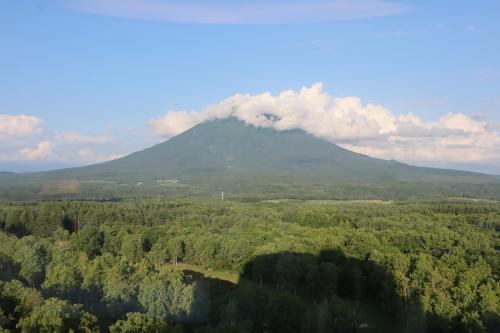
(229, 147)
(229, 152)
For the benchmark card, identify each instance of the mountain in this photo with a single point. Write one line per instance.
(228, 153)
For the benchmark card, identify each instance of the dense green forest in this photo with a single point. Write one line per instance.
(225, 266)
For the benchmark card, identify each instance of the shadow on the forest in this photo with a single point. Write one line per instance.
(329, 292)
(298, 292)
(291, 292)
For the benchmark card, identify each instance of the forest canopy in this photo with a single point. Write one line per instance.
(225, 266)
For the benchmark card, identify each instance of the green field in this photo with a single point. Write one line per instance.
(232, 277)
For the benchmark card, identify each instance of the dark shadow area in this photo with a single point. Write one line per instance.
(299, 292)
(277, 293)
(329, 292)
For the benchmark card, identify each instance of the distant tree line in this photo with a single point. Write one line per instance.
(243, 188)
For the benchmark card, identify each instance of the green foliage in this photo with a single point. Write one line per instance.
(132, 247)
(32, 256)
(313, 266)
(165, 296)
(139, 322)
(18, 301)
(90, 240)
(63, 276)
(117, 284)
(58, 316)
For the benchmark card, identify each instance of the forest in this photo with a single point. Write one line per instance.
(249, 189)
(200, 265)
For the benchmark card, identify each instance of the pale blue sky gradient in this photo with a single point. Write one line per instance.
(105, 74)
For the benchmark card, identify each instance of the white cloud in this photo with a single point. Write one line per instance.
(90, 155)
(366, 128)
(42, 151)
(75, 137)
(235, 12)
(22, 138)
(173, 123)
(462, 122)
(15, 126)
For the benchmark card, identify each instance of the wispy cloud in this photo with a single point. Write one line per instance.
(470, 28)
(238, 12)
(75, 137)
(306, 43)
(489, 74)
(93, 156)
(397, 33)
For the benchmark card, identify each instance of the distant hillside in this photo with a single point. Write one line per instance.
(229, 154)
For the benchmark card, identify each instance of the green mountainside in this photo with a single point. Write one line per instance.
(254, 162)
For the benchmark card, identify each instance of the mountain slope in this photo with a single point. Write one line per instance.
(229, 151)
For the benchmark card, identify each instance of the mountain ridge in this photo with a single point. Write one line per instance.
(228, 151)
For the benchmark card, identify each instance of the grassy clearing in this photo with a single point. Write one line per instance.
(341, 202)
(232, 277)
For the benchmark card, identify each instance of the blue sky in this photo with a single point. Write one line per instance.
(101, 70)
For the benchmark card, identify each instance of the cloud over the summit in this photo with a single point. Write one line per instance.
(173, 123)
(366, 128)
